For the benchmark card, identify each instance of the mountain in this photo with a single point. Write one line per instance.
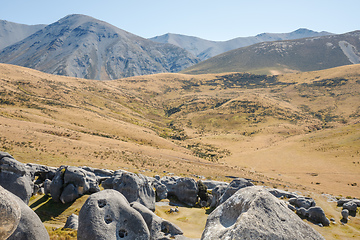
(307, 54)
(205, 49)
(81, 46)
(11, 33)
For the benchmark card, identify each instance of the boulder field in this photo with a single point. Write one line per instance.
(125, 209)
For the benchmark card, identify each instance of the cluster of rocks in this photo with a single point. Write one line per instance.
(349, 208)
(125, 208)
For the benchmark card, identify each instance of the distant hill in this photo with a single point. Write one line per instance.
(11, 33)
(300, 55)
(81, 46)
(205, 49)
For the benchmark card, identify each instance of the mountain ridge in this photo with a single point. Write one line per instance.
(300, 55)
(82, 46)
(11, 32)
(205, 49)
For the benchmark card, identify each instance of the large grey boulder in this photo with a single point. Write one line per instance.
(72, 222)
(30, 226)
(15, 178)
(282, 194)
(254, 213)
(108, 215)
(317, 215)
(160, 189)
(233, 187)
(10, 213)
(351, 206)
(342, 201)
(304, 202)
(211, 184)
(158, 227)
(216, 194)
(136, 188)
(69, 183)
(184, 188)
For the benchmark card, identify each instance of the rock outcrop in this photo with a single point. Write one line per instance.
(10, 214)
(15, 178)
(254, 213)
(108, 215)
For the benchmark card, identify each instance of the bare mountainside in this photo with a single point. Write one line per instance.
(81, 46)
(11, 33)
(278, 57)
(297, 131)
(205, 49)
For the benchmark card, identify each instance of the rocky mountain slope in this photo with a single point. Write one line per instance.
(85, 47)
(11, 33)
(301, 55)
(205, 49)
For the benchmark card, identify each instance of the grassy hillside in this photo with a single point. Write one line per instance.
(298, 132)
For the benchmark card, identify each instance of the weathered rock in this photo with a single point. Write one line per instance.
(302, 212)
(211, 184)
(14, 177)
(340, 202)
(216, 193)
(10, 213)
(72, 222)
(233, 187)
(186, 191)
(70, 183)
(345, 215)
(30, 225)
(41, 171)
(108, 215)
(281, 193)
(158, 227)
(317, 215)
(47, 186)
(304, 202)
(100, 173)
(254, 213)
(160, 189)
(351, 206)
(136, 188)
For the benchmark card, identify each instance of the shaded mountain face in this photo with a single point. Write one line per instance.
(205, 49)
(307, 54)
(11, 33)
(81, 46)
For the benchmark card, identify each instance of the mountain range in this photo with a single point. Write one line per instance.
(307, 54)
(11, 32)
(205, 49)
(85, 47)
(82, 46)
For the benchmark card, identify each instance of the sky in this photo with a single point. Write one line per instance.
(211, 20)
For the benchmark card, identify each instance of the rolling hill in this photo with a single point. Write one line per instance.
(308, 54)
(205, 49)
(292, 130)
(11, 33)
(81, 46)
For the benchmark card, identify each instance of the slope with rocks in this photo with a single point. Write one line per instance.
(301, 55)
(11, 32)
(205, 49)
(81, 46)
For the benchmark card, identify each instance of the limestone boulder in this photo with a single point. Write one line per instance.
(108, 215)
(136, 188)
(158, 227)
(30, 225)
(184, 188)
(233, 187)
(10, 213)
(304, 202)
(211, 184)
(317, 215)
(216, 194)
(254, 213)
(15, 178)
(72, 222)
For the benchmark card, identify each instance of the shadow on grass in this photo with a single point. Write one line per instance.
(48, 209)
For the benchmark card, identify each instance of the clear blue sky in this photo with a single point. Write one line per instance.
(212, 20)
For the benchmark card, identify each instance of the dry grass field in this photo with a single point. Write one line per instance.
(298, 131)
